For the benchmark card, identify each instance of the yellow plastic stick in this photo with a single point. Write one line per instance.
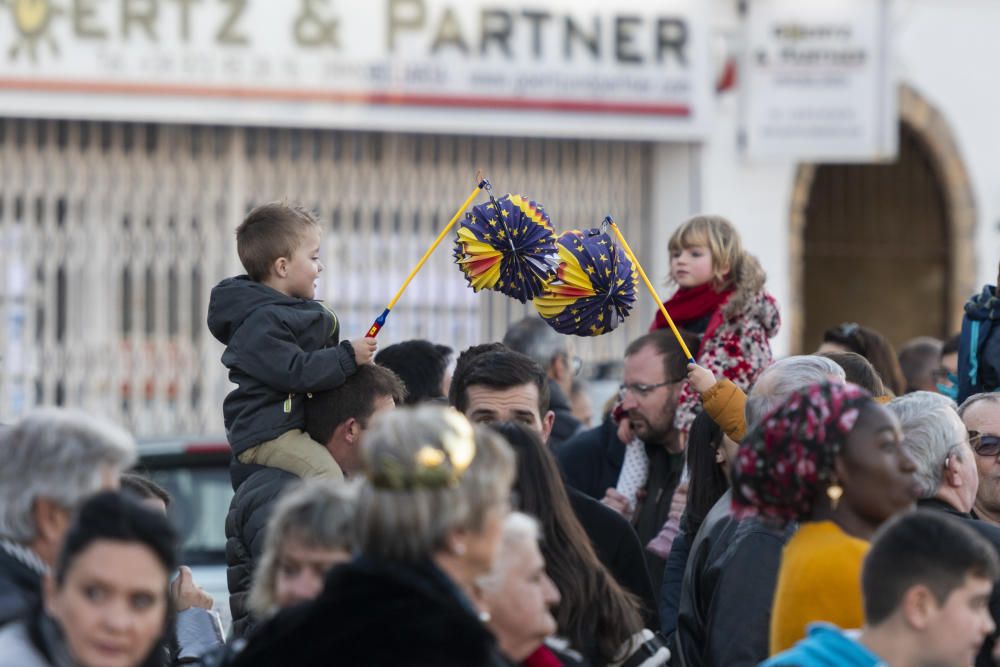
(377, 325)
(649, 285)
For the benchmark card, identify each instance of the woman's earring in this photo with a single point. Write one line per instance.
(834, 492)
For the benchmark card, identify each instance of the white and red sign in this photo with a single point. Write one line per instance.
(628, 69)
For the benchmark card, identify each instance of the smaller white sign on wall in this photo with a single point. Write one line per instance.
(817, 81)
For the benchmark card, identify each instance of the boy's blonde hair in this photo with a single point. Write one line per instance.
(722, 240)
(271, 231)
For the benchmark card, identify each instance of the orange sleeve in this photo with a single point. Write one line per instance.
(725, 402)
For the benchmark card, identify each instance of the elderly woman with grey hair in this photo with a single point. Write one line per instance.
(518, 594)
(945, 455)
(430, 511)
(310, 531)
(52, 460)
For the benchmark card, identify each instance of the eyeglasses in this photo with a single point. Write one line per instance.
(640, 390)
(984, 444)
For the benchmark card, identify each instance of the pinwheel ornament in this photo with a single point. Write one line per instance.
(507, 245)
(595, 285)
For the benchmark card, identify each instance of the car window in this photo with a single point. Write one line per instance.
(201, 497)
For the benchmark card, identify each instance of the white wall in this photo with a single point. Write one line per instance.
(948, 51)
(945, 49)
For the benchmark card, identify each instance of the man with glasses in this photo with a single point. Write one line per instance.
(981, 414)
(549, 349)
(636, 477)
(946, 469)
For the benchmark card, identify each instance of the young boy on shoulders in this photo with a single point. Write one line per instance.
(281, 343)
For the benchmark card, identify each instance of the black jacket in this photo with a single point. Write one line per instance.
(992, 535)
(20, 588)
(725, 606)
(278, 348)
(618, 548)
(376, 614)
(591, 462)
(565, 425)
(979, 345)
(257, 489)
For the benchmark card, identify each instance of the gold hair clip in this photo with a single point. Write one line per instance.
(457, 447)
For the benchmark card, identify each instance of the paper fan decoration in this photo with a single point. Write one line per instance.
(595, 285)
(507, 245)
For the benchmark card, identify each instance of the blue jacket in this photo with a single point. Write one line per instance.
(979, 346)
(826, 646)
(278, 349)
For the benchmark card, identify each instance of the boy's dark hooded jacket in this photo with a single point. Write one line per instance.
(979, 345)
(278, 348)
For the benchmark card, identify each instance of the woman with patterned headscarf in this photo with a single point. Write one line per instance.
(829, 457)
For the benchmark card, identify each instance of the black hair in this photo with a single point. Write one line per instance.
(421, 366)
(707, 481)
(922, 548)
(115, 516)
(465, 359)
(326, 410)
(874, 347)
(570, 559)
(858, 370)
(143, 488)
(500, 369)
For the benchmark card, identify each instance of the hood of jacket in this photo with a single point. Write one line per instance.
(235, 299)
(984, 306)
(750, 301)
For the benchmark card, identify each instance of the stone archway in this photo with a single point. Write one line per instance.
(926, 134)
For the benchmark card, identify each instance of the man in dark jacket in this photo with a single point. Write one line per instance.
(337, 418)
(979, 345)
(52, 460)
(494, 384)
(936, 439)
(549, 349)
(594, 460)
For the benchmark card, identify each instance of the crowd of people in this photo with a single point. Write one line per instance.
(407, 506)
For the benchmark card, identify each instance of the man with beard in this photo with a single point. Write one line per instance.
(637, 479)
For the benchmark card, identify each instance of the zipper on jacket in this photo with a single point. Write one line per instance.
(288, 404)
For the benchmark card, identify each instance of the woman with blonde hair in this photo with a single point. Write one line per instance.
(430, 511)
(310, 531)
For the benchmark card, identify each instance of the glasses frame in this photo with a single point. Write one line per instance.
(976, 442)
(640, 390)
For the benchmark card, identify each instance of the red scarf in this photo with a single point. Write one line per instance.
(690, 304)
(542, 657)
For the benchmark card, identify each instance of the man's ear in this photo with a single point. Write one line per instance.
(919, 607)
(280, 267)
(951, 471)
(558, 367)
(50, 520)
(547, 421)
(352, 429)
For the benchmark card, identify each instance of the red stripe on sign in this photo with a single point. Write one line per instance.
(384, 99)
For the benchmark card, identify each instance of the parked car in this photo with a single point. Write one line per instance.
(195, 471)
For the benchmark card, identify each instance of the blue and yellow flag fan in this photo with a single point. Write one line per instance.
(507, 245)
(594, 288)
